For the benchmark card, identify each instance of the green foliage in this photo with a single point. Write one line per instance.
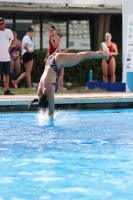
(77, 75)
(38, 66)
(20, 91)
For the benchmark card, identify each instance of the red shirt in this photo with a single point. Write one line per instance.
(51, 48)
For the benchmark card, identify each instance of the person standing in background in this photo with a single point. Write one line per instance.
(27, 54)
(110, 64)
(6, 38)
(15, 54)
(54, 42)
(54, 46)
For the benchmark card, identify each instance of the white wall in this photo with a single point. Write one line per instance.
(128, 44)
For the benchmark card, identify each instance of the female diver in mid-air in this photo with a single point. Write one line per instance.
(49, 80)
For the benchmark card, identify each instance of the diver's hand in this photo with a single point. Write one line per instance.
(51, 118)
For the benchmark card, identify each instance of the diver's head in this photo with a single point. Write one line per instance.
(42, 102)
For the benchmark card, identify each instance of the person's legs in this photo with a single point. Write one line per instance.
(22, 76)
(61, 77)
(1, 74)
(112, 66)
(6, 78)
(15, 82)
(27, 74)
(28, 67)
(11, 65)
(71, 59)
(17, 65)
(91, 54)
(6, 81)
(105, 71)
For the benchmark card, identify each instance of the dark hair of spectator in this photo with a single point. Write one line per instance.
(59, 35)
(53, 27)
(30, 29)
(14, 31)
(1, 19)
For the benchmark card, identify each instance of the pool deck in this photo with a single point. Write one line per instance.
(98, 100)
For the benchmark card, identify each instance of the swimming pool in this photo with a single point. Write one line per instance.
(81, 155)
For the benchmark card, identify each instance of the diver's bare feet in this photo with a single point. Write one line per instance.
(104, 55)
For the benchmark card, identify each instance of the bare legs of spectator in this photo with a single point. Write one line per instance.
(15, 65)
(61, 77)
(109, 68)
(6, 82)
(27, 75)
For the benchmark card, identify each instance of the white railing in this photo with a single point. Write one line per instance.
(98, 2)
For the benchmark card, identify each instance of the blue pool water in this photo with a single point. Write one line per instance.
(81, 155)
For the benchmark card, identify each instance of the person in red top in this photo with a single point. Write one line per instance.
(54, 47)
(54, 42)
(110, 64)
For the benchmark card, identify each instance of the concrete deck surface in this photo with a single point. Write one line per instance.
(88, 100)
